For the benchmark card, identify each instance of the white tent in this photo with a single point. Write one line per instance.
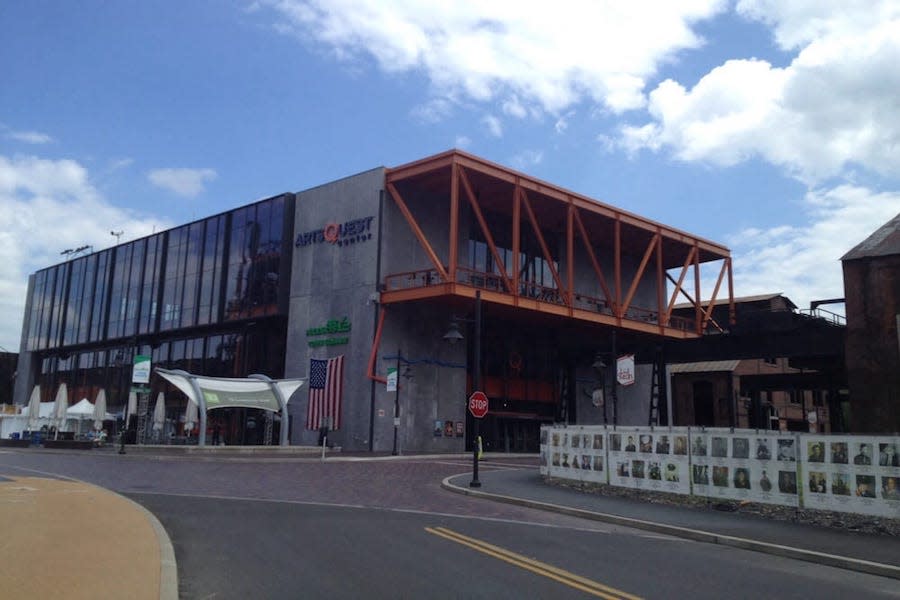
(82, 410)
(44, 412)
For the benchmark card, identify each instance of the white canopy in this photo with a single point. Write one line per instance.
(81, 410)
(257, 391)
(44, 412)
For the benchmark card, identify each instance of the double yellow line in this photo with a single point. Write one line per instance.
(565, 577)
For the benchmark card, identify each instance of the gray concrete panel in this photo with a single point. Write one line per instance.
(335, 280)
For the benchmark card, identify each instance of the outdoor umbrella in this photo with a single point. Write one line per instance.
(60, 405)
(34, 408)
(132, 407)
(159, 412)
(99, 410)
(191, 415)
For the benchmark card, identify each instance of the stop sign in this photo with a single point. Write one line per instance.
(478, 405)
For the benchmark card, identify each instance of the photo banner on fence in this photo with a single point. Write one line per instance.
(654, 459)
(744, 465)
(858, 474)
(852, 474)
(577, 453)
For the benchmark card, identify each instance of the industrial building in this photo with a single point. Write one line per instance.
(872, 293)
(385, 269)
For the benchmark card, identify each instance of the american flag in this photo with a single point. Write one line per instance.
(326, 386)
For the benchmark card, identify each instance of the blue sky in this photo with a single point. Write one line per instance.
(771, 127)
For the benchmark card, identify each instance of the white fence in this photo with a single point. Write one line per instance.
(859, 474)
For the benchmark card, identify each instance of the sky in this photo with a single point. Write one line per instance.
(770, 126)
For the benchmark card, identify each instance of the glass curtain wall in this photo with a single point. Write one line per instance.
(203, 297)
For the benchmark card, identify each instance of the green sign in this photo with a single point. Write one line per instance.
(333, 326)
(141, 372)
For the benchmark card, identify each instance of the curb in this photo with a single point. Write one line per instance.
(821, 558)
(168, 567)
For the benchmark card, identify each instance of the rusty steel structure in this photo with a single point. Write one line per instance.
(506, 204)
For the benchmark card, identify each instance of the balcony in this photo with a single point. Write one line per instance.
(427, 283)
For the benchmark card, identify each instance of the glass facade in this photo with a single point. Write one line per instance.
(166, 282)
(208, 297)
(534, 270)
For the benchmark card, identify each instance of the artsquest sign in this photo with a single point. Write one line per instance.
(348, 233)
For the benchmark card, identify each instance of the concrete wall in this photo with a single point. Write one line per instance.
(437, 388)
(335, 281)
(27, 364)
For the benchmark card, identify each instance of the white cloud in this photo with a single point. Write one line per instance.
(562, 123)
(804, 262)
(433, 111)
(48, 206)
(799, 22)
(493, 125)
(188, 183)
(514, 108)
(462, 142)
(120, 163)
(545, 57)
(30, 137)
(832, 109)
(527, 158)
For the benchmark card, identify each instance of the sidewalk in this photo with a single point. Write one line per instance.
(866, 553)
(68, 539)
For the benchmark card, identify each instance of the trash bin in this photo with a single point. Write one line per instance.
(14, 436)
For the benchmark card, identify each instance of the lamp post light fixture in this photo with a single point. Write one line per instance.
(453, 335)
(603, 363)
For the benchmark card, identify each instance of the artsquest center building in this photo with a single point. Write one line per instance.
(396, 293)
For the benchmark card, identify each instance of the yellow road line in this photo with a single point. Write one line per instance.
(565, 577)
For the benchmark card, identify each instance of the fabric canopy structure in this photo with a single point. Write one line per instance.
(80, 410)
(256, 391)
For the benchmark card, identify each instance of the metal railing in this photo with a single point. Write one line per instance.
(825, 315)
(494, 282)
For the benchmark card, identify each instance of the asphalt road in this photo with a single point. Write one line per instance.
(306, 529)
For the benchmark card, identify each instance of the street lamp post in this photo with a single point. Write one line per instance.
(453, 336)
(476, 383)
(396, 450)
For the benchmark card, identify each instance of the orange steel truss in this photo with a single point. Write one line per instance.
(514, 205)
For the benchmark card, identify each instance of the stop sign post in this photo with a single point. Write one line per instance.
(478, 405)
